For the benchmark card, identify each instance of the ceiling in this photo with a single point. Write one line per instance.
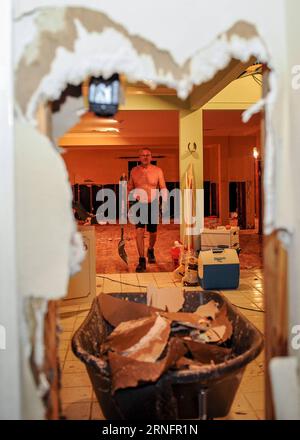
(127, 127)
(229, 123)
(152, 128)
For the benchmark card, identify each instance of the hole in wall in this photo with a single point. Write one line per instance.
(50, 84)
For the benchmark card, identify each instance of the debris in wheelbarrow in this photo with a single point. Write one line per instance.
(141, 350)
(189, 379)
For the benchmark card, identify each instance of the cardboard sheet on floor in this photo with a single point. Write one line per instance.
(144, 339)
(127, 372)
(169, 299)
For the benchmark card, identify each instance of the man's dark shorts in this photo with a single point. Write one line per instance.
(152, 219)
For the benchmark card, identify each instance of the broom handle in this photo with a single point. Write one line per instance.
(122, 180)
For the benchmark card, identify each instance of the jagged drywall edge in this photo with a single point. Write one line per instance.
(110, 51)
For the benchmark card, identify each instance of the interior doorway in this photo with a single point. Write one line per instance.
(217, 181)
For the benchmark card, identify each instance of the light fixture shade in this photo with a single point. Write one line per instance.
(255, 153)
(104, 95)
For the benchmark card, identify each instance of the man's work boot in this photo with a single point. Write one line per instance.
(151, 256)
(141, 267)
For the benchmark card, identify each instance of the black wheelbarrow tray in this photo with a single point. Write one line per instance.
(206, 393)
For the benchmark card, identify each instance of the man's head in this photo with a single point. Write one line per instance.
(145, 157)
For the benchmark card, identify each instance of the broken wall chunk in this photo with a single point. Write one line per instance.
(127, 372)
(143, 340)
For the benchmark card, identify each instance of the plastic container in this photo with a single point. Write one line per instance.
(175, 253)
(200, 394)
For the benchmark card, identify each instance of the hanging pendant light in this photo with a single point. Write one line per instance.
(104, 95)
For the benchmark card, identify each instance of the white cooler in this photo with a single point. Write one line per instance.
(219, 269)
(220, 237)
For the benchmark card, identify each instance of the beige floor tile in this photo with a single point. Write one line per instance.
(250, 314)
(252, 384)
(64, 344)
(260, 358)
(163, 276)
(62, 354)
(84, 306)
(242, 415)
(71, 367)
(83, 313)
(261, 414)
(78, 323)
(64, 308)
(256, 400)
(99, 285)
(259, 303)
(146, 278)
(96, 412)
(130, 279)
(67, 325)
(71, 356)
(75, 380)
(65, 336)
(241, 404)
(244, 286)
(77, 411)
(76, 394)
(253, 369)
(112, 285)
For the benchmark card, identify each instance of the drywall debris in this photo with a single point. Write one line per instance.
(46, 228)
(143, 340)
(142, 349)
(192, 320)
(128, 372)
(170, 299)
(207, 353)
(115, 310)
(209, 310)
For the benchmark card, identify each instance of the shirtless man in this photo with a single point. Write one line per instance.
(149, 178)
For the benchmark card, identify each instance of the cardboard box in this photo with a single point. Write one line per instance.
(220, 237)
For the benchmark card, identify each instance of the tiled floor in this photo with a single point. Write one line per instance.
(108, 260)
(77, 395)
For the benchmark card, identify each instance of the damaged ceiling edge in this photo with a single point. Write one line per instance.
(138, 60)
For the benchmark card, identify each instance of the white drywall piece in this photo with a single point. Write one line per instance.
(45, 223)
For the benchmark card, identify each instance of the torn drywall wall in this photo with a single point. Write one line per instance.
(90, 42)
(67, 44)
(45, 224)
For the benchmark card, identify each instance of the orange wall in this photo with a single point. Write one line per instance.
(240, 166)
(105, 166)
(240, 158)
(210, 161)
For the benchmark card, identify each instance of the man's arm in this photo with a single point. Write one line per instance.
(162, 186)
(130, 184)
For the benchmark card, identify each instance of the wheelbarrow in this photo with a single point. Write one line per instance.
(201, 394)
